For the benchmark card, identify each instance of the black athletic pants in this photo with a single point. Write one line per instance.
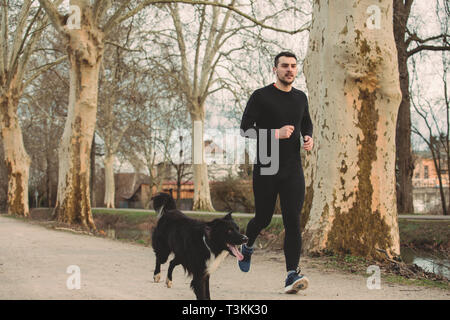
(289, 183)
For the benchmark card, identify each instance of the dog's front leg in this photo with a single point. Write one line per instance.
(198, 285)
(206, 284)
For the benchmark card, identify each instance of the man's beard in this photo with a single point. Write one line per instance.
(286, 83)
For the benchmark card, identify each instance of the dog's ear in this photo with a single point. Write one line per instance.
(154, 196)
(228, 216)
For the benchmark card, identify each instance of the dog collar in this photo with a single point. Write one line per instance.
(204, 240)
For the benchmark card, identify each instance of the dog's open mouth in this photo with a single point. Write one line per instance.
(234, 249)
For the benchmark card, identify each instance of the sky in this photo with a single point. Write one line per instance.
(428, 85)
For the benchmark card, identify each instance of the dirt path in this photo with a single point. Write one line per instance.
(34, 260)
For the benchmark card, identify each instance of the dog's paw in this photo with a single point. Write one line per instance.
(168, 283)
(157, 277)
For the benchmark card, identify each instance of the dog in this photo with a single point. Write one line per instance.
(198, 246)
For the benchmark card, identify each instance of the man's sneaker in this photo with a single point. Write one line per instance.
(295, 282)
(244, 264)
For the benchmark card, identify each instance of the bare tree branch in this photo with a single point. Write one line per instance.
(53, 14)
(18, 35)
(4, 39)
(29, 48)
(180, 39)
(121, 47)
(197, 46)
(43, 69)
(100, 8)
(429, 48)
(16, 68)
(116, 18)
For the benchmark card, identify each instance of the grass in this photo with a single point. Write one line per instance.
(425, 234)
(275, 227)
(132, 215)
(391, 278)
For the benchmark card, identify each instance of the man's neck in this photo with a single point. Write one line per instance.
(282, 86)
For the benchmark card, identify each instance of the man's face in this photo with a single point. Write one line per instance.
(286, 70)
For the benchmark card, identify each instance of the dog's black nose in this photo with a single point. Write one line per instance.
(244, 239)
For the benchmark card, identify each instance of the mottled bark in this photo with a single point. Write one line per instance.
(16, 159)
(202, 195)
(354, 92)
(85, 50)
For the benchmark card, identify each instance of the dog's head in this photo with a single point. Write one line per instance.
(163, 201)
(223, 234)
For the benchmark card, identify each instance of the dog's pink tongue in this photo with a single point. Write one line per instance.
(236, 252)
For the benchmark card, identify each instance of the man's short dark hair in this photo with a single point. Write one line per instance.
(284, 54)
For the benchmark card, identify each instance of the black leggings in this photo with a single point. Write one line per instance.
(289, 183)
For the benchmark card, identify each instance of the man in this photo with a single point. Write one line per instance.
(282, 111)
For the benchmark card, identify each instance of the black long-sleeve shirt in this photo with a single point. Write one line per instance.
(272, 108)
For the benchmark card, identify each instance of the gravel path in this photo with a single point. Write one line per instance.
(34, 262)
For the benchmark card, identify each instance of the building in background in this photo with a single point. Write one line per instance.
(426, 195)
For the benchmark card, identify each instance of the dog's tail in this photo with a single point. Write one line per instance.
(162, 202)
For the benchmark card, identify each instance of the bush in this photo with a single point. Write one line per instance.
(233, 194)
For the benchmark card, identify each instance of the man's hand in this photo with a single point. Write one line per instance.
(309, 143)
(284, 132)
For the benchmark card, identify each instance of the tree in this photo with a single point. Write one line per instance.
(182, 172)
(353, 84)
(118, 105)
(18, 38)
(409, 43)
(42, 117)
(150, 143)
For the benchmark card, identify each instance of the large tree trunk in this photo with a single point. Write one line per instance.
(16, 158)
(202, 195)
(109, 181)
(404, 159)
(353, 85)
(85, 50)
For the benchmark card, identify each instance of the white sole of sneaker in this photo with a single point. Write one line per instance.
(300, 284)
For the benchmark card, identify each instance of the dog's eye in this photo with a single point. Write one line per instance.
(229, 231)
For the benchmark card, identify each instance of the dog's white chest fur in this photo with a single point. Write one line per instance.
(214, 262)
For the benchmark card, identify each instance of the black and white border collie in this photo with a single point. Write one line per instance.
(198, 246)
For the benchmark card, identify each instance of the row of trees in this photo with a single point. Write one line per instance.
(96, 24)
(139, 69)
(412, 40)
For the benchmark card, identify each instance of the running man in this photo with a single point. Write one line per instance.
(282, 111)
